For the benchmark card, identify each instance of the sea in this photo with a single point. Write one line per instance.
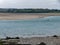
(37, 27)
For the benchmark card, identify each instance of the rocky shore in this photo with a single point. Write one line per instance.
(49, 40)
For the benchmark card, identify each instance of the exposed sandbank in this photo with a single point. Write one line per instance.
(23, 16)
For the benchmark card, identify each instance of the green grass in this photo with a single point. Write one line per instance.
(1, 42)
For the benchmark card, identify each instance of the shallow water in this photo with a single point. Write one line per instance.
(35, 27)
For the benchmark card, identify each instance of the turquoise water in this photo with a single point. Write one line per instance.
(35, 27)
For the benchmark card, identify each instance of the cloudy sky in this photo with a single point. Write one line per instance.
(55, 4)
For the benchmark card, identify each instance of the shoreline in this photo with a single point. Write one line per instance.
(51, 40)
(25, 16)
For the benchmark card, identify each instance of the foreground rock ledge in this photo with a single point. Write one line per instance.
(33, 41)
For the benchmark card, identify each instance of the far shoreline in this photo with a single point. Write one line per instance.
(25, 16)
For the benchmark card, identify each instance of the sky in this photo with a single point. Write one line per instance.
(51, 4)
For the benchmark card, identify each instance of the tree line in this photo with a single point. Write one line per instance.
(29, 10)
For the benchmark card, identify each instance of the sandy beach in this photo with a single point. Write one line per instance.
(23, 16)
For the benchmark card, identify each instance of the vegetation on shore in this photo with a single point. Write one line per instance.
(1, 43)
(12, 10)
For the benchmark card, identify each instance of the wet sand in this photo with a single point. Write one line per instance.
(23, 16)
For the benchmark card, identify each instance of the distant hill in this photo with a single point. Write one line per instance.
(11, 10)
